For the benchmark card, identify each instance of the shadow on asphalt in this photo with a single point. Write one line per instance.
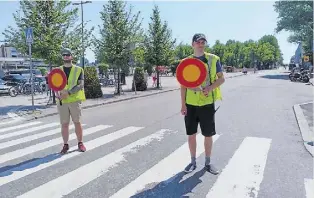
(276, 77)
(16, 108)
(9, 170)
(173, 187)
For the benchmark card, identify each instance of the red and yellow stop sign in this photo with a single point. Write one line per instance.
(57, 79)
(191, 72)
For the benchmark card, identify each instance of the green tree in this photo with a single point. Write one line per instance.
(120, 29)
(183, 50)
(73, 40)
(296, 17)
(158, 42)
(50, 21)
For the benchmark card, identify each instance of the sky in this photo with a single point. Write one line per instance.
(218, 20)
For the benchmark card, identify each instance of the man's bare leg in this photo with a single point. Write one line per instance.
(208, 145)
(78, 131)
(65, 132)
(192, 146)
(65, 137)
(79, 135)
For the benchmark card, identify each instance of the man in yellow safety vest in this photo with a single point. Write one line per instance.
(69, 104)
(198, 104)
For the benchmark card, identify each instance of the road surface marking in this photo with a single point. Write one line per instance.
(309, 188)
(39, 164)
(30, 138)
(73, 180)
(18, 126)
(243, 174)
(165, 169)
(41, 146)
(28, 130)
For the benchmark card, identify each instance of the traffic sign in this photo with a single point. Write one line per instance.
(57, 79)
(29, 35)
(191, 72)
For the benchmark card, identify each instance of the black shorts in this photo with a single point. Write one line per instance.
(203, 115)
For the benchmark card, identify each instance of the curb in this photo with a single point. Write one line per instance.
(306, 133)
(108, 102)
(118, 100)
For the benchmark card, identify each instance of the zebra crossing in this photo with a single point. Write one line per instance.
(240, 178)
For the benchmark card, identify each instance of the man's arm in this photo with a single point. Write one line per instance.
(183, 93)
(221, 78)
(80, 84)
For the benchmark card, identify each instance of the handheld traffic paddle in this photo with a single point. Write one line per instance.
(57, 81)
(191, 73)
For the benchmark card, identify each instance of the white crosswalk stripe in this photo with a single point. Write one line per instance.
(244, 173)
(240, 178)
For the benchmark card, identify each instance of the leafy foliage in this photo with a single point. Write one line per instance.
(103, 69)
(158, 42)
(91, 83)
(52, 23)
(296, 17)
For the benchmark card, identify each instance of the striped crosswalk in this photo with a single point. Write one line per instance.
(240, 178)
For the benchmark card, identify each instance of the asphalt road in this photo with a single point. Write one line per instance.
(137, 148)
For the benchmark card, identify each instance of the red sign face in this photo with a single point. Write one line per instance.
(57, 79)
(191, 72)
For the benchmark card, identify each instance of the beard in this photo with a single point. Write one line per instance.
(67, 61)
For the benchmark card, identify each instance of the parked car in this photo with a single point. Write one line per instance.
(4, 88)
(14, 79)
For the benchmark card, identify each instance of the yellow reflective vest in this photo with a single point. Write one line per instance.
(72, 82)
(195, 96)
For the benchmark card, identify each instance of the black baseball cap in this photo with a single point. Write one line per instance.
(199, 36)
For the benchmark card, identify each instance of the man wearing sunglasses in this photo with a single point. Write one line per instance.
(198, 104)
(69, 103)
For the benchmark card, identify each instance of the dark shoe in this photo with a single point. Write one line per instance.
(190, 167)
(65, 149)
(81, 147)
(210, 168)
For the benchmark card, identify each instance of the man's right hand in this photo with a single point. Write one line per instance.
(183, 109)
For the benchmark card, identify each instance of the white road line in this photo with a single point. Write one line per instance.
(41, 146)
(11, 121)
(37, 165)
(31, 137)
(243, 175)
(309, 188)
(165, 169)
(71, 181)
(28, 130)
(18, 126)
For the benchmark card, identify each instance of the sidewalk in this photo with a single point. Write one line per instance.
(304, 116)
(20, 106)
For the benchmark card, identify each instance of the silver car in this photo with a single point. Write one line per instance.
(4, 89)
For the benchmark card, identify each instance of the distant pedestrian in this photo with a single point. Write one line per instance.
(71, 99)
(198, 105)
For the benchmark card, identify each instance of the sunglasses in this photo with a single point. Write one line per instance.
(66, 54)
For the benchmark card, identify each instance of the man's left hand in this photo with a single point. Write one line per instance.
(64, 94)
(207, 89)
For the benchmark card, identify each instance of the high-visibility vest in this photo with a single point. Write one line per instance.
(195, 96)
(72, 82)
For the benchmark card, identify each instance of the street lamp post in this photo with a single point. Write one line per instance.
(82, 13)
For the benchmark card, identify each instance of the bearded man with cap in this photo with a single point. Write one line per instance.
(198, 104)
(70, 101)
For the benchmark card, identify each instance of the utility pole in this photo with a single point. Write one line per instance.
(82, 17)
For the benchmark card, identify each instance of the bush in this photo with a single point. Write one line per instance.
(140, 83)
(91, 83)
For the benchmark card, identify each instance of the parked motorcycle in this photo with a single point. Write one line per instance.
(301, 75)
